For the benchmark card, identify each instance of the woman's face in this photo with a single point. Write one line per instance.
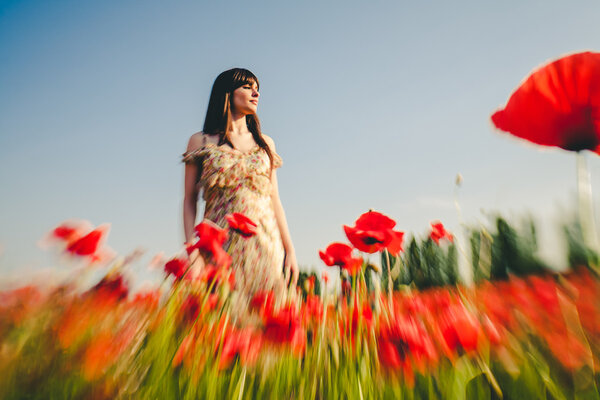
(245, 99)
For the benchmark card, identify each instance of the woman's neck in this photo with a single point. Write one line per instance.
(238, 125)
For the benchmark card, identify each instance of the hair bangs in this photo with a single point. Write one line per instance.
(242, 77)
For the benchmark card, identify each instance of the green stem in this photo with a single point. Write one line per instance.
(389, 273)
(586, 210)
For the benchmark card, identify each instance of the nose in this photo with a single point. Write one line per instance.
(255, 93)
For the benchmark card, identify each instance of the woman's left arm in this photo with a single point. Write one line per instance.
(291, 264)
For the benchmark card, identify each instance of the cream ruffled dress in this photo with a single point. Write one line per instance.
(234, 181)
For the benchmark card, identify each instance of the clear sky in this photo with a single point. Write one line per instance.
(371, 105)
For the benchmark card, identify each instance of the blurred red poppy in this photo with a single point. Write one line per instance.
(282, 326)
(176, 267)
(211, 240)
(402, 338)
(64, 232)
(336, 254)
(438, 232)
(214, 276)
(395, 245)
(111, 287)
(557, 105)
(312, 309)
(340, 254)
(87, 245)
(190, 308)
(460, 327)
(263, 302)
(241, 224)
(245, 344)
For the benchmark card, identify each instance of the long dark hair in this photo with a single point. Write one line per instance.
(218, 114)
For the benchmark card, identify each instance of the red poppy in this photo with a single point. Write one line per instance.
(312, 309)
(64, 232)
(373, 220)
(211, 240)
(459, 327)
(558, 105)
(263, 302)
(244, 344)
(395, 245)
(336, 254)
(67, 232)
(353, 265)
(438, 232)
(212, 275)
(340, 254)
(373, 232)
(368, 241)
(282, 326)
(146, 299)
(111, 288)
(190, 309)
(405, 336)
(241, 224)
(88, 244)
(176, 267)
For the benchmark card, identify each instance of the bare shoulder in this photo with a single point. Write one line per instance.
(269, 141)
(200, 139)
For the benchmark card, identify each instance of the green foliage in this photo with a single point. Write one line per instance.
(427, 264)
(303, 283)
(578, 254)
(513, 252)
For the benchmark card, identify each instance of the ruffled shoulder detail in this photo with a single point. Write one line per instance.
(277, 161)
(193, 156)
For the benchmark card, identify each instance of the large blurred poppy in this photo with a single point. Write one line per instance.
(557, 105)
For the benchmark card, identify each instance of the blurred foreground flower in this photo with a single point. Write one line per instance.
(210, 240)
(81, 241)
(177, 267)
(241, 224)
(558, 105)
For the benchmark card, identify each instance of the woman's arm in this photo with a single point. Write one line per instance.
(291, 264)
(190, 197)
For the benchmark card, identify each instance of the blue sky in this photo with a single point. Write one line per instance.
(370, 106)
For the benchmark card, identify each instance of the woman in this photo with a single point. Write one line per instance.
(234, 165)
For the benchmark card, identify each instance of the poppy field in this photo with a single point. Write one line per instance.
(392, 316)
(398, 330)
